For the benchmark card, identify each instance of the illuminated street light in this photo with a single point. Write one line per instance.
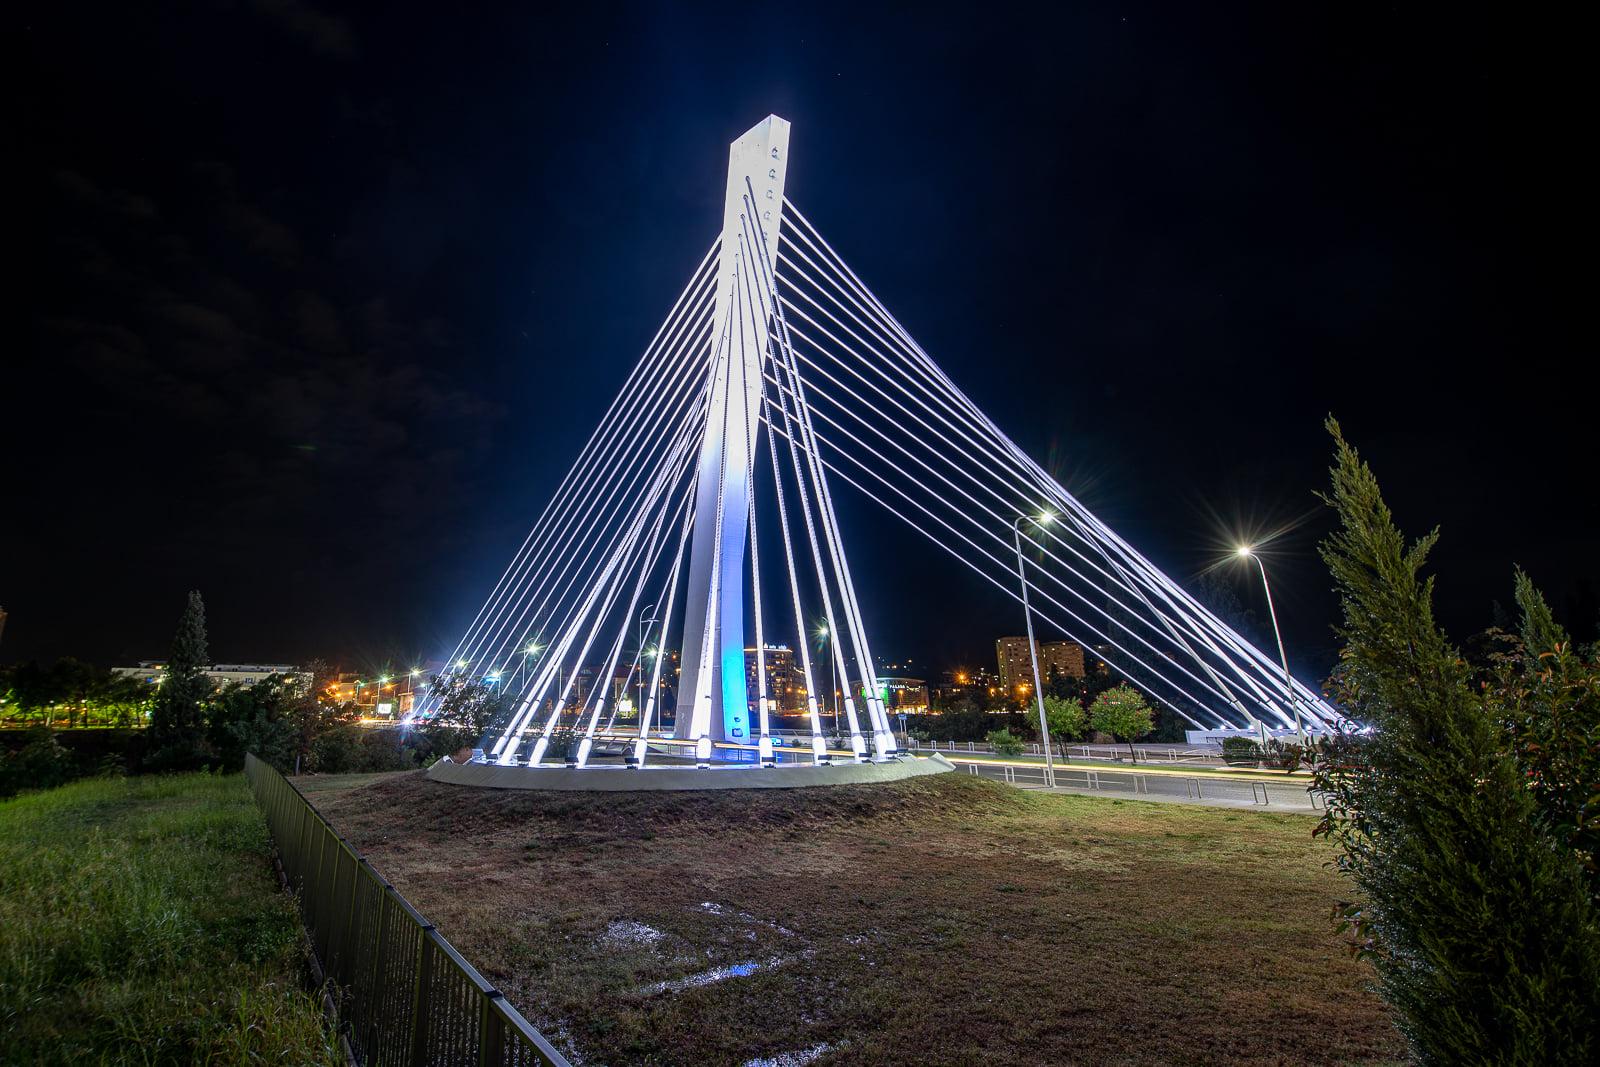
(647, 618)
(1247, 552)
(823, 635)
(1033, 649)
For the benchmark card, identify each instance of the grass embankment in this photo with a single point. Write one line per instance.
(943, 920)
(141, 922)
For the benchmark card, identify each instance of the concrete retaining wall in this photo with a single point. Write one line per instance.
(737, 776)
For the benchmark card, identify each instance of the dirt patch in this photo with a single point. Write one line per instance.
(934, 920)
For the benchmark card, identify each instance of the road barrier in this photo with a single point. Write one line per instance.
(404, 995)
(1174, 754)
(1211, 789)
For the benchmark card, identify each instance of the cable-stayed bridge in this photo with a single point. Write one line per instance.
(776, 375)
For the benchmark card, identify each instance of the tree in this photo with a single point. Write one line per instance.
(465, 713)
(1121, 711)
(1474, 907)
(312, 712)
(177, 721)
(258, 719)
(1548, 696)
(1066, 718)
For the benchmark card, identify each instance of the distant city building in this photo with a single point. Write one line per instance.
(785, 686)
(1055, 657)
(1061, 657)
(903, 695)
(221, 674)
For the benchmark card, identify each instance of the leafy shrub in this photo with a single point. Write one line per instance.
(1284, 755)
(1240, 751)
(1004, 742)
(40, 764)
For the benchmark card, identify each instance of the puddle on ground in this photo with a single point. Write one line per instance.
(715, 974)
(711, 908)
(629, 932)
(798, 1058)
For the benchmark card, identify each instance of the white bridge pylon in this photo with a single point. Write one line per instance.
(777, 373)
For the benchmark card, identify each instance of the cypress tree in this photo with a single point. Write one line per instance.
(177, 722)
(1478, 920)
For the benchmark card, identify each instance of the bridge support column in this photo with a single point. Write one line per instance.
(713, 704)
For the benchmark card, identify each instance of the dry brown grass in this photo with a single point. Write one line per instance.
(941, 920)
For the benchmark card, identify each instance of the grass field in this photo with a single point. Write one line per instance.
(943, 920)
(141, 923)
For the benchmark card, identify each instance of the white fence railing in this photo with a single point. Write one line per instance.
(1291, 795)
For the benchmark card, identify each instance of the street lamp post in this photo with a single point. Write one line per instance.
(1033, 649)
(643, 622)
(833, 673)
(1288, 681)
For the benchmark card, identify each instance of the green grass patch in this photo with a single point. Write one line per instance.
(141, 922)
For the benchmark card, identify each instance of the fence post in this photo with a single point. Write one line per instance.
(421, 997)
(374, 997)
(491, 1031)
(357, 917)
(315, 910)
(338, 918)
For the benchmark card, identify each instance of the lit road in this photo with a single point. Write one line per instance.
(1266, 790)
(1217, 789)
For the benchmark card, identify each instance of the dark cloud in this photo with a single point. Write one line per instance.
(328, 34)
(111, 201)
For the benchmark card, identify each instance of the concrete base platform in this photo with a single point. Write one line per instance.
(727, 776)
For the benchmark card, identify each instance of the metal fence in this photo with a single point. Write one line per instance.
(1199, 787)
(404, 995)
(1112, 753)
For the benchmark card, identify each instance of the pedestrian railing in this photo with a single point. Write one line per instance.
(1262, 794)
(1106, 753)
(403, 994)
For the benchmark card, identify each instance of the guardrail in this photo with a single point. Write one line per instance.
(404, 995)
(1199, 787)
(1108, 753)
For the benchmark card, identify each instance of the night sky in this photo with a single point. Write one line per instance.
(322, 303)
